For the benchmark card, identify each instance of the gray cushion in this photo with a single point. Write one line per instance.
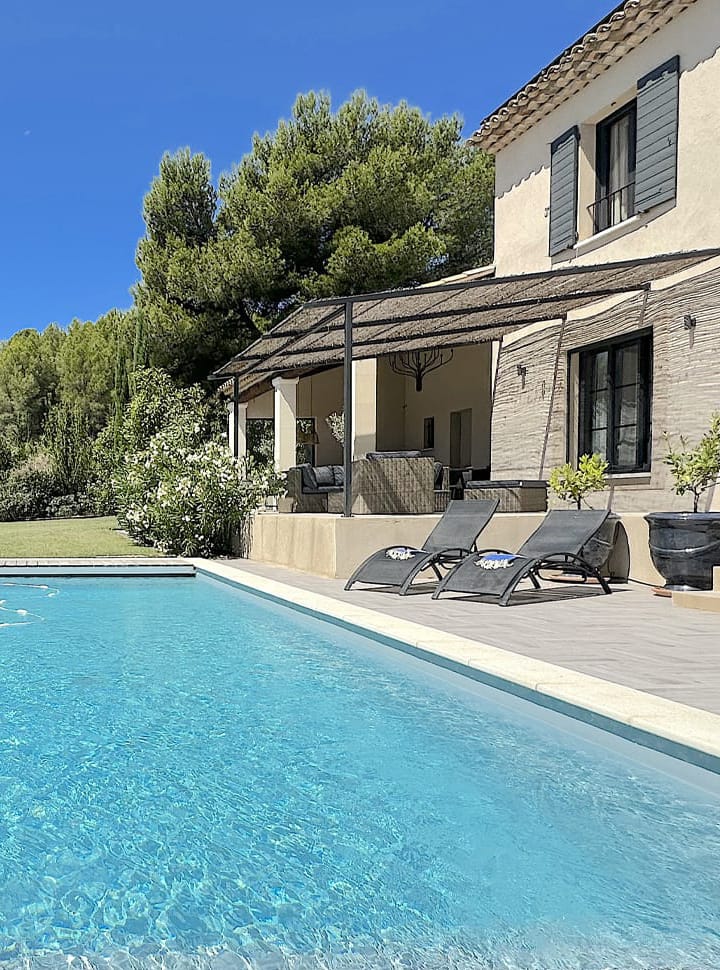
(324, 475)
(309, 481)
(325, 489)
(338, 475)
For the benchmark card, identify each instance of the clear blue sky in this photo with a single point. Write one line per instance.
(94, 92)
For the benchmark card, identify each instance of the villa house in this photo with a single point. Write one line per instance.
(597, 327)
(610, 154)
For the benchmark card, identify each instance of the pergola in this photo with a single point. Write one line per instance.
(335, 331)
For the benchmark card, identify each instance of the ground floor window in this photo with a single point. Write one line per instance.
(615, 402)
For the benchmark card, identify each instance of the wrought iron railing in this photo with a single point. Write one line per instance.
(613, 208)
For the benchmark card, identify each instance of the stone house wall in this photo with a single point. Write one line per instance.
(531, 426)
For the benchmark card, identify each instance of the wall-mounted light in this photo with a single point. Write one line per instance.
(522, 374)
(689, 322)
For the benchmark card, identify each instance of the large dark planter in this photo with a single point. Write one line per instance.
(685, 546)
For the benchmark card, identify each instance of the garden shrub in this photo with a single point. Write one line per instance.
(26, 491)
(157, 406)
(70, 506)
(9, 455)
(187, 497)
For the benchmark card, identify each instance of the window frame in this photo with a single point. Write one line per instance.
(644, 340)
(603, 162)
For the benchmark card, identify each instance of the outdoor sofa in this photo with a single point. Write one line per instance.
(384, 483)
(314, 488)
(453, 538)
(557, 543)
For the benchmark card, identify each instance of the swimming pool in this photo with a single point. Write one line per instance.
(193, 776)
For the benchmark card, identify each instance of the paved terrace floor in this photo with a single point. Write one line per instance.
(631, 638)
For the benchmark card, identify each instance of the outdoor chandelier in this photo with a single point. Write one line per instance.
(418, 363)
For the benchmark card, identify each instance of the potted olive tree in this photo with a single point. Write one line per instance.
(685, 546)
(573, 485)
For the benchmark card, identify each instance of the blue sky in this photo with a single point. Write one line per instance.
(93, 93)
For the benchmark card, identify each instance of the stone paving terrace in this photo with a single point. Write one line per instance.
(631, 638)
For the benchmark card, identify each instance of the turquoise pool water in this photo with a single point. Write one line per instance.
(191, 776)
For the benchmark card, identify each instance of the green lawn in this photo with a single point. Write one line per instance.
(67, 537)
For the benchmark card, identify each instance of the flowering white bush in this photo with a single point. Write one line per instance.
(185, 496)
(336, 422)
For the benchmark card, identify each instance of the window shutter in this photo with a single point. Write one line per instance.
(657, 136)
(564, 191)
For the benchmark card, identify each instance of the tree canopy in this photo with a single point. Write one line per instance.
(368, 197)
(364, 197)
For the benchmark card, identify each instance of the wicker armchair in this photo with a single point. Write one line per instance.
(393, 486)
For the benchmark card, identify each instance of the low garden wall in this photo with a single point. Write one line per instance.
(329, 545)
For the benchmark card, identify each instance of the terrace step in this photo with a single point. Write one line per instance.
(706, 600)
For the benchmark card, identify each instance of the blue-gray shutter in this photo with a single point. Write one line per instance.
(564, 191)
(657, 136)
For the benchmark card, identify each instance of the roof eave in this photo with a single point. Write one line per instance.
(621, 31)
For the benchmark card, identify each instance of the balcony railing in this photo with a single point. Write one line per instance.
(613, 208)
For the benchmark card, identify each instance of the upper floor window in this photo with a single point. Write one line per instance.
(615, 402)
(615, 167)
(636, 162)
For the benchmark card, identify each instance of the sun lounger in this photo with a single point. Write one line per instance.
(557, 543)
(453, 538)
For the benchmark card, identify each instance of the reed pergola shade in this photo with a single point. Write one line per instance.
(445, 315)
(335, 331)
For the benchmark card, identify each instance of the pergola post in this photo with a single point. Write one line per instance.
(348, 409)
(285, 421)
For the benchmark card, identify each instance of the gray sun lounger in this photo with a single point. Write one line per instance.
(557, 543)
(453, 538)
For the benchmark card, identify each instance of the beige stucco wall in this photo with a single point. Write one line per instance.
(400, 410)
(319, 396)
(391, 391)
(464, 382)
(523, 168)
(261, 406)
(328, 545)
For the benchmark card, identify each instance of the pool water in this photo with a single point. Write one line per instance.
(190, 775)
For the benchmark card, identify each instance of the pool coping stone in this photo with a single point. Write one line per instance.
(676, 729)
(98, 566)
